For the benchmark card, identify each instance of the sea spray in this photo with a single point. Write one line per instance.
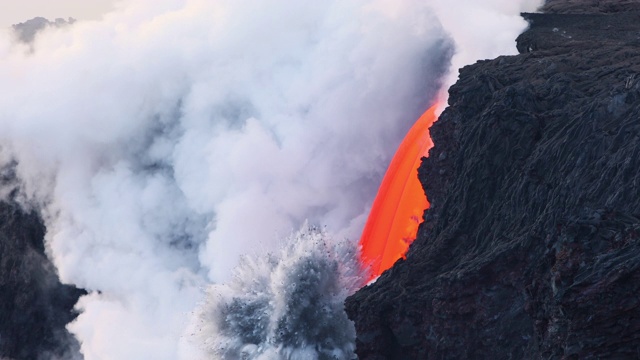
(284, 305)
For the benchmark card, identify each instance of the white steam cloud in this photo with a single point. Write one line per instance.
(172, 137)
(481, 29)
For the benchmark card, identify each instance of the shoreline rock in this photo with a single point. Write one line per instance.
(531, 247)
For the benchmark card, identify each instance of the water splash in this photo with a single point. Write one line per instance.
(284, 305)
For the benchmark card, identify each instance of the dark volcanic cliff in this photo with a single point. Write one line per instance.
(531, 247)
(590, 6)
(34, 306)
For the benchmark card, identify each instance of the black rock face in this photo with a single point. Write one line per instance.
(531, 247)
(590, 6)
(34, 306)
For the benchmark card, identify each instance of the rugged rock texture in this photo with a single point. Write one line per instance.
(531, 248)
(590, 6)
(34, 306)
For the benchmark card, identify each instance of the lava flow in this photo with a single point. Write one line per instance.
(397, 209)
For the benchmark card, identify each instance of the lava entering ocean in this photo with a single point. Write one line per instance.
(169, 139)
(397, 209)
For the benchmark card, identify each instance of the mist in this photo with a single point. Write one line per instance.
(168, 140)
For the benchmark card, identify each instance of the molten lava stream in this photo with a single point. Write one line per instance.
(397, 209)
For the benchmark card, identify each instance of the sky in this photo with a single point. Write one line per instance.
(16, 11)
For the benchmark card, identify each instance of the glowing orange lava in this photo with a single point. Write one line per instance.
(397, 209)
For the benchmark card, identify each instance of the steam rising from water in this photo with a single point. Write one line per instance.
(167, 140)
